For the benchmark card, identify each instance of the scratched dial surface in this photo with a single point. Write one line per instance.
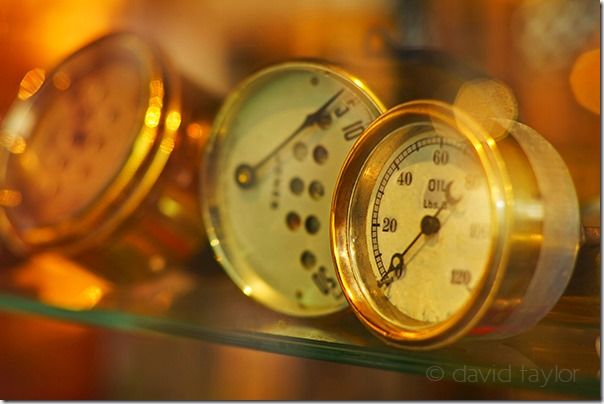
(271, 167)
(428, 224)
(86, 122)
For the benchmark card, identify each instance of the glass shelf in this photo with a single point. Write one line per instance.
(199, 301)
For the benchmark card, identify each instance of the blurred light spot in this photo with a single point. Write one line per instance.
(491, 103)
(61, 81)
(156, 88)
(14, 144)
(173, 120)
(31, 83)
(152, 116)
(169, 207)
(585, 80)
(548, 33)
(214, 243)
(61, 282)
(247, 290)
(196, 130)
(10, 198)
(167, 145)
(157, 263)
(184, 178)
(358, 82)
(92, 294)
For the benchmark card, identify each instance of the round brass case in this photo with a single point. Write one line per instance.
(528, 251)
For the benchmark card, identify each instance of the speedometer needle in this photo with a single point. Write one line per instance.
(245, 174)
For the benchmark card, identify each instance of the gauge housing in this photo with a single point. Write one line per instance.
(535, 229)
(142, 210)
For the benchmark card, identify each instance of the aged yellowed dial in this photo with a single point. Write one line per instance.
(268, 174)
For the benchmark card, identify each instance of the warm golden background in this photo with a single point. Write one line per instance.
(546, 51)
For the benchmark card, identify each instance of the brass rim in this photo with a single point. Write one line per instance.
(463, 320)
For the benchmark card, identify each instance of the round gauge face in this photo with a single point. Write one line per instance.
(438, 229)
(427, 223)
(270, 169)
(80, 131)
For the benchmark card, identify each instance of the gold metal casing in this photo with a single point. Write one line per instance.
(149, 210)
(503, 301)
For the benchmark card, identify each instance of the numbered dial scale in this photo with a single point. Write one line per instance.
(92, 144)
(268, 174)
(439, 230)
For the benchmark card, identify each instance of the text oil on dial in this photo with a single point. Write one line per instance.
(268, 175)
(440, 230)
(430, 194)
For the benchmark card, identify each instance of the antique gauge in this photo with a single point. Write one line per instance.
(439, 229)
(269, 169)
(92, 155)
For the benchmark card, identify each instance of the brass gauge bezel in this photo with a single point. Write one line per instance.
(350, 255)
(241, 272)
(152, 147)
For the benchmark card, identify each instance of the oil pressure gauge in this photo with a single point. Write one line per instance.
(95, 144)
(441, 230)
(269, 170)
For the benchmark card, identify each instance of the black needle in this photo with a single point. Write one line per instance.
(429, 225)
(245, 173)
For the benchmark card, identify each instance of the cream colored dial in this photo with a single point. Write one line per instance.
(428, 226)
(270, 168)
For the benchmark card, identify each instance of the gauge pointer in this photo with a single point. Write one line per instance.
(245, 174)
(429, 225)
